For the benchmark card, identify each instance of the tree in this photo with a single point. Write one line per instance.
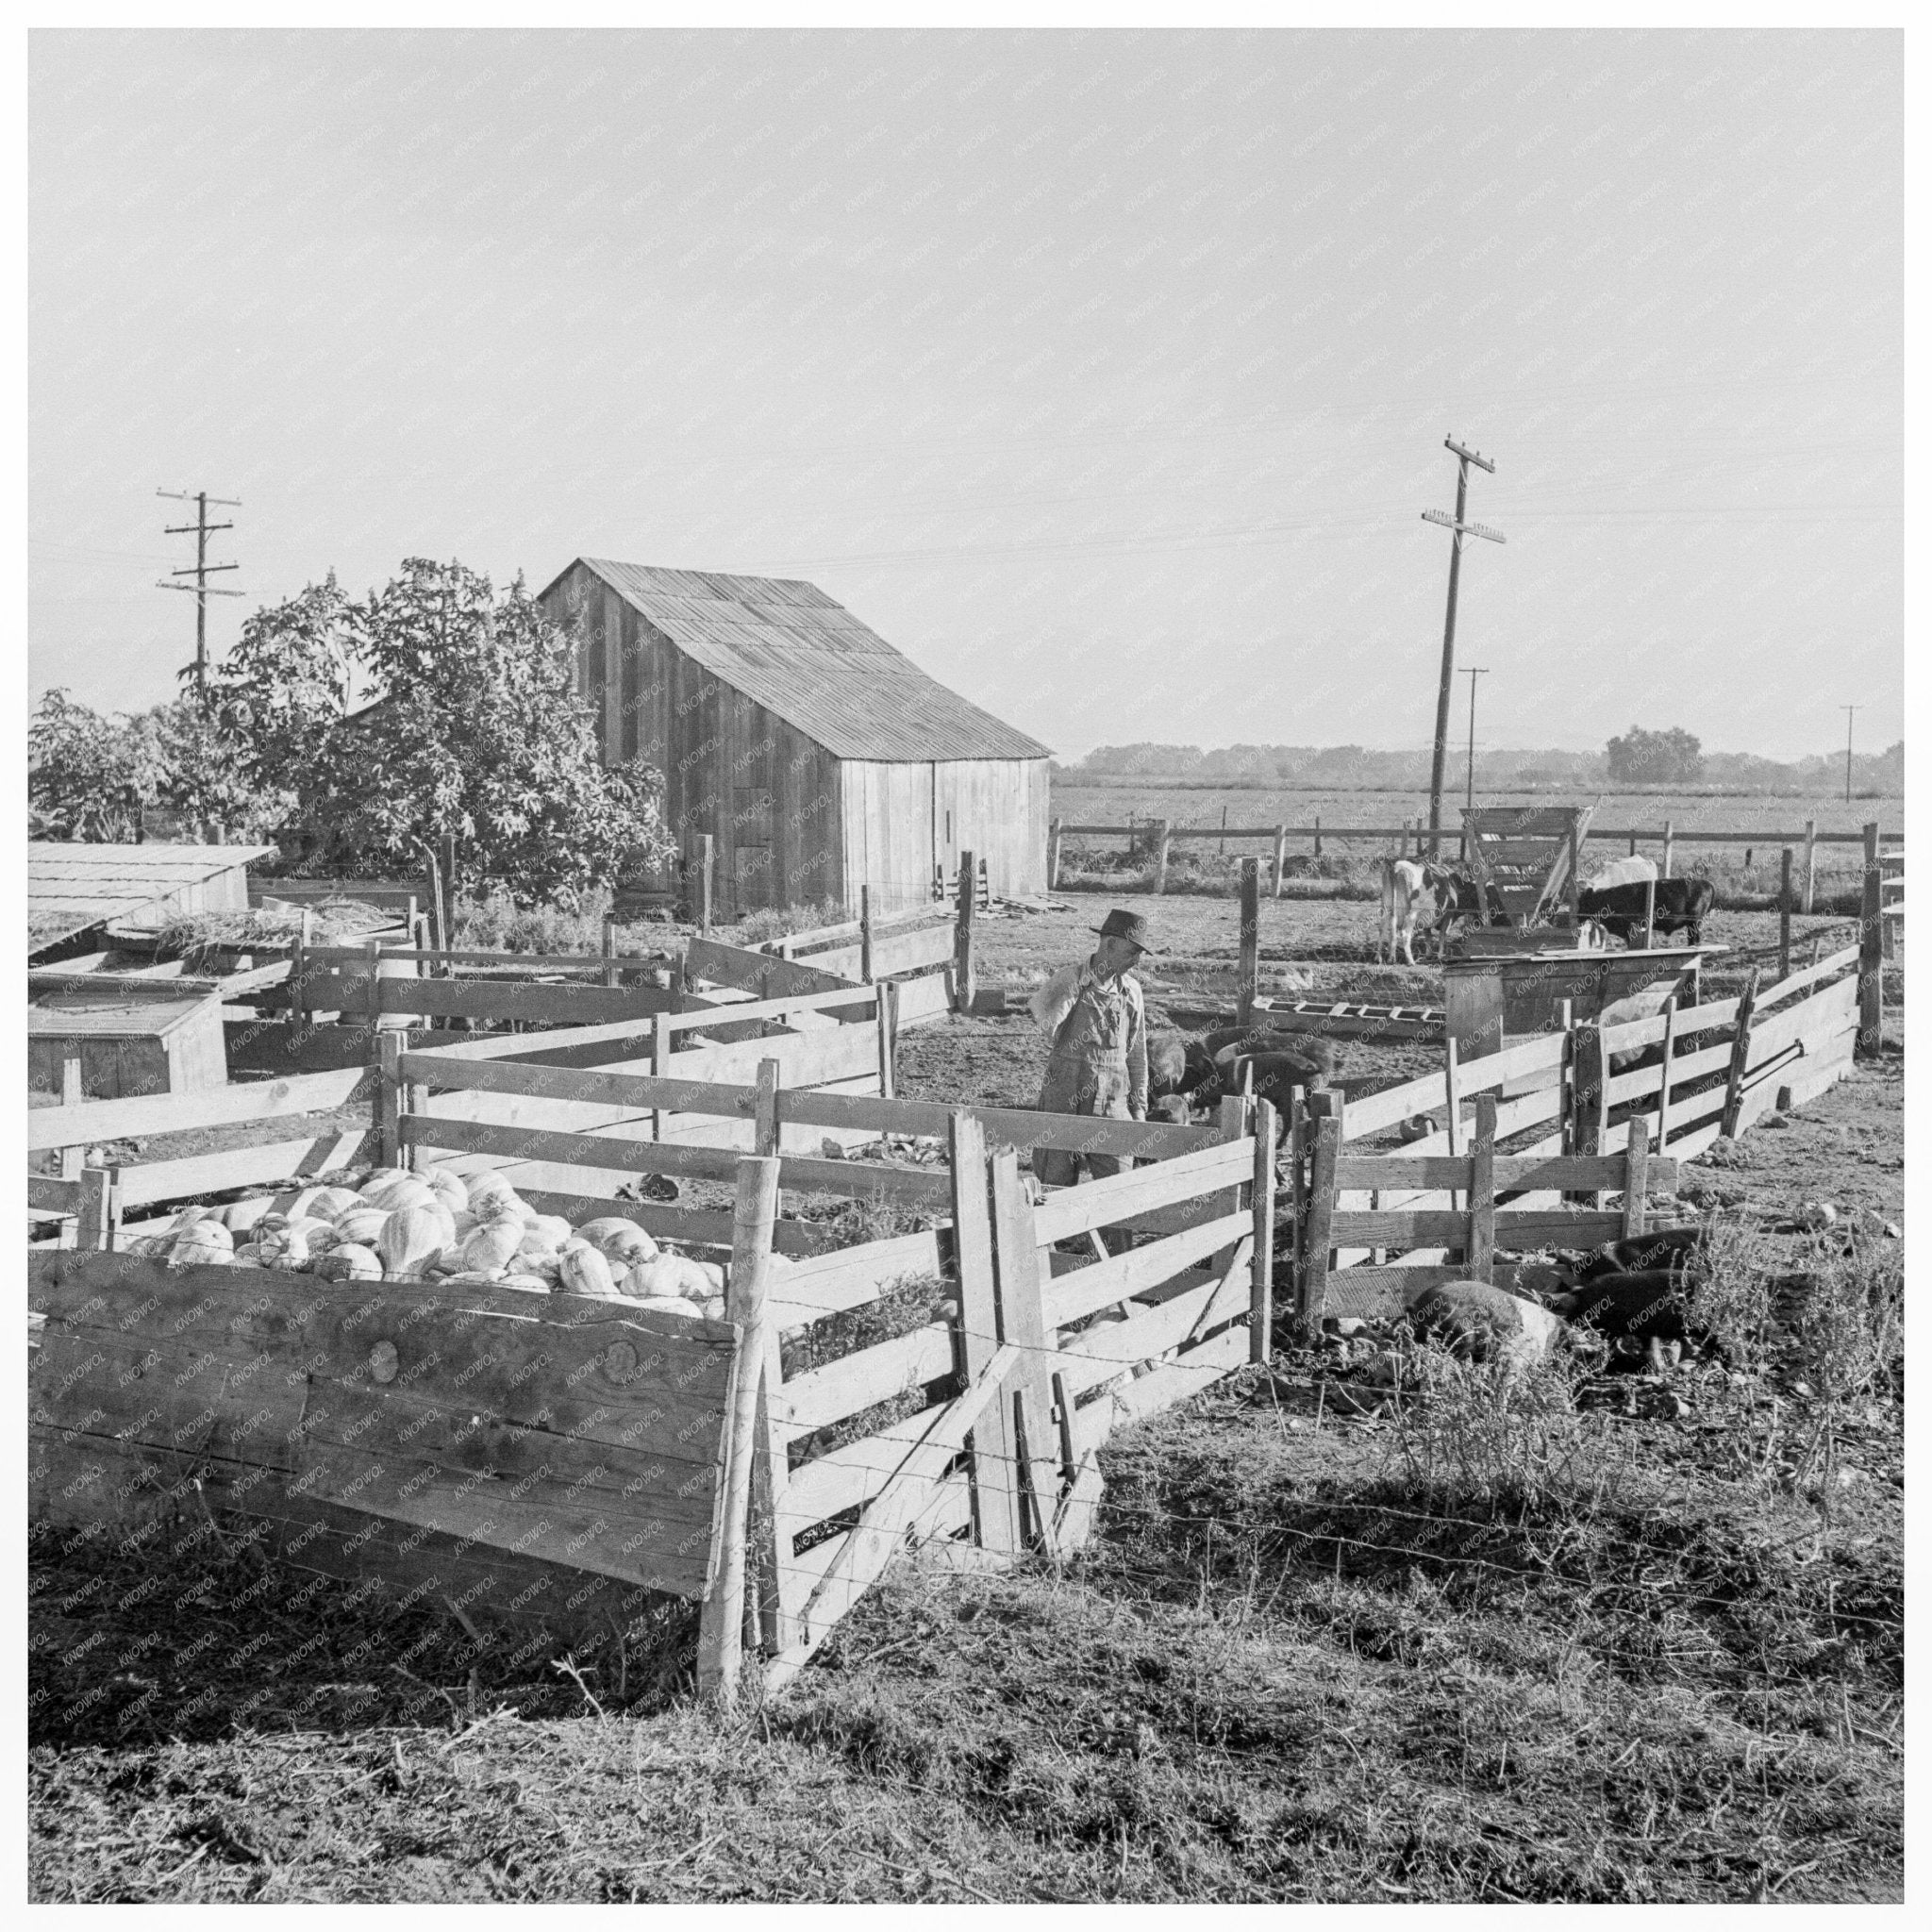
(88, 776)
(1656, 757)
(478, 734)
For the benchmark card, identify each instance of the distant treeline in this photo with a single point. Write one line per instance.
(1354, 768)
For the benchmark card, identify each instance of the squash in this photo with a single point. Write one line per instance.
(186, 1217)
(448, 1188)
(360, 1226)
(533, 1246)
(582, 1270)
(669, 1305)
(554, 1229)
(405, 1192)
(203, 1229)
(239, 1216)
(530, 1283)
(411, 1237)
(331, 1204)
(485, 1186)
(712, 1308)
(298, 1204)
(492, 1246)
(198, 1248)
(377, 1178)
(466, 1222)
(350, 1261)
(668, 1275)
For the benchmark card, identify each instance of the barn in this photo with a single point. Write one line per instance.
(817, 757)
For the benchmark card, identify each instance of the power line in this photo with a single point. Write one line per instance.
(200, 570)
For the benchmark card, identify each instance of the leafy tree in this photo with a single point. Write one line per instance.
(478, 734)
(1656, 757)
(88, 776)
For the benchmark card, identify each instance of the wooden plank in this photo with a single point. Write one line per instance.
(1068, 1211)
(1740, 1057)
(997, 1510)
(1108, 1349)
(1015, 1126)
(851, 1005)
(866, 1553)
(1637, 1179)
(1084, 1291)
(171, 1113)
(1434, 1227)
(1685, 1066)
(1566, 1172)
(1375, 1112)
(848, 1278)
(1317, 1239)
(1821, 1013)
(721, 1628)
(1481, 1245)
(50, 1195)
(1188, 1374)
(758, 972)
(1708, 1018)
(241, 1167)
(854, 1382)
(1808, 1081)
(851, 1474)
(636, 1093)
(1023, 1274)
(1261, 1210)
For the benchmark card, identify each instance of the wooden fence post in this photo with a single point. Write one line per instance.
(1160, 863)
(1649, 914)
(447, 866)
(708, 862)
(765, 1110)
(1589, 1091)
(1570, 887)
(372, 953)
(73, 1159)
(1261, 1272)
(432, 891)
(1480, 1256)
(1663, 1091)
(1023, 1322)
(720, 1624)
(1741, 1059)
(1670, 849)
(1635, 1174)
(996, 1497)
(1872, 950)
(1312, 1284)
(1053, 854)
(660, 1064)
(1810, 861)
(1317, 834)
(962, 935)
(94, 1228)
(387, 1107)
(888, 1012)
(865, 934)
(1451, 1090)
(1280, 858)
(609, 948)
(1250, 942)
(1784, 916)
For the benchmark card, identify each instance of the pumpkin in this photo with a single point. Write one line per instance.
(532, 1284)
(669, 1305)
(188, 1217)
(379, 1177)
(241, 1215)
(350, 1261)
(331, 1204)
(360, 1226)
(299, 1202)
(448, 1188)
(466, 1223)
(669, 1275)
(533, 1246)
(198, 1247)
(407, 1192)
(582, 1270)
(411, 1239)
(554, 1229)
(492, 1246)
(485, 1186)
(712, 1307)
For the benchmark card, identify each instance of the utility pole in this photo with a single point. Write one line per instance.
(1848, 709)
(1460, 527)
(200, 570)
(1473, 672)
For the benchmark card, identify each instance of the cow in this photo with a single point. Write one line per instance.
(1419, 894)
(1620, 872)
(1681, 905)
(1275, 1071)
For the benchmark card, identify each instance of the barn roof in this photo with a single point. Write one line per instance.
(73, 885)
(789, 647)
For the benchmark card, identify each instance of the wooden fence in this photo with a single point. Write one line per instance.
(1160, 835)
(1688, 1077)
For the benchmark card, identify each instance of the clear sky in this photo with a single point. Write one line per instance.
(1106, 374)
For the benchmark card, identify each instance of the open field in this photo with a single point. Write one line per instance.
(1654, 1653)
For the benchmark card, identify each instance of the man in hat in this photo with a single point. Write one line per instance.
(1093, 1014)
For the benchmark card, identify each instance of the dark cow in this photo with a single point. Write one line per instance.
(1274, 1071)
(1176, 1065)
(1681, 905)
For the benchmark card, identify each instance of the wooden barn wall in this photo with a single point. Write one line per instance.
(768, 795)
(887, 834)
(998, 812)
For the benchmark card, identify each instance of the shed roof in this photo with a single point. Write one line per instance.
(66, 1013)
(806, 660)
(71, 885)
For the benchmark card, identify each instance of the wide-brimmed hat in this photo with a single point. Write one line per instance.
(1130, 926)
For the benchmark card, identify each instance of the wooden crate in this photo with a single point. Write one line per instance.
(128, 1042)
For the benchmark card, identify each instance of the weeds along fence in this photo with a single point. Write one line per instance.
(546, 1457)
(1155, 840)
(1665, 1089)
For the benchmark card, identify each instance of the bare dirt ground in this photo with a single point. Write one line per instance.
(1651, 1649)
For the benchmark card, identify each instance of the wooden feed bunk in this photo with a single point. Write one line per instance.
(1524, 860)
